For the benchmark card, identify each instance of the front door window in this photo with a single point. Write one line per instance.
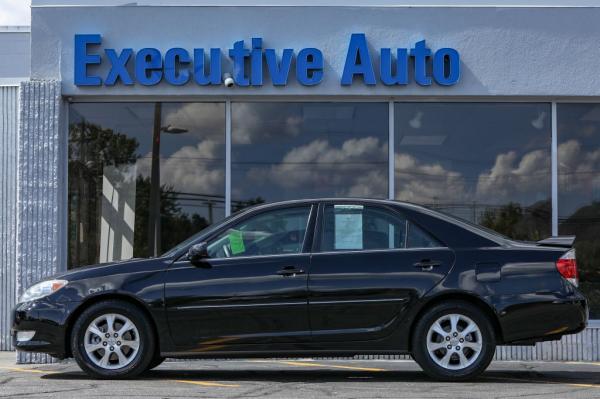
(277, 232)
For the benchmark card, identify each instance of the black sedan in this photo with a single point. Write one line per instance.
(331, 277)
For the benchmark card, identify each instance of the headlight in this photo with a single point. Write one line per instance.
(42, 289)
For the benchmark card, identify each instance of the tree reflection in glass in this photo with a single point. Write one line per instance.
(110, 177)
(579, 191)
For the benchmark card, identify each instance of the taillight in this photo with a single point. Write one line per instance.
(567, 267)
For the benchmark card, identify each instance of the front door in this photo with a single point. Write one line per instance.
(251, 290)
(370, 264)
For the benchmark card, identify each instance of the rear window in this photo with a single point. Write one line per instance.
(470, 226)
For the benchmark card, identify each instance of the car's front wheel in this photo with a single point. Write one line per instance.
(453, 341)
(113, 339)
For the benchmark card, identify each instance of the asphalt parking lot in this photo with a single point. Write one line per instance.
(305, 378)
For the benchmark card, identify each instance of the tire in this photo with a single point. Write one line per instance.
(125, 353)
(157, 361)
(430, 346)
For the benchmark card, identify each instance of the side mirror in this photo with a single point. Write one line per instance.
(198, 252)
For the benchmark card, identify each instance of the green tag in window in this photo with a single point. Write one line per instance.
(236, 242)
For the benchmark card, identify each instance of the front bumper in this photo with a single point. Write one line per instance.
(49, 321)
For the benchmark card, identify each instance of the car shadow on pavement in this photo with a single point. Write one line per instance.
(325, 375)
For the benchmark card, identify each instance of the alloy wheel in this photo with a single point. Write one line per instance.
(454, 341)
(111, 341)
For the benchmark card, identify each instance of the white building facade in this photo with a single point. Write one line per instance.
(139, 124)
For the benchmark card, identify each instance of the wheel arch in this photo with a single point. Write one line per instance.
(113, 296)
(485, 307)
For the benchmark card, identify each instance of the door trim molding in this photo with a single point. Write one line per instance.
(400, 300)
(309, 302)
(240, 305)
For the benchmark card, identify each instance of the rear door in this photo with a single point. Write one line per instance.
(369, 266)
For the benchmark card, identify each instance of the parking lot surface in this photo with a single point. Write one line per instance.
(304, 378)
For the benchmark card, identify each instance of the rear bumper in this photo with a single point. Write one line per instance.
(48, 320)
(545, 320)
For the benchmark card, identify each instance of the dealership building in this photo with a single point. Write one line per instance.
(126, 127)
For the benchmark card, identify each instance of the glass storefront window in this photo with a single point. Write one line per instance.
(304, 150)
(142, 177)
(485, 162)
(579, 191)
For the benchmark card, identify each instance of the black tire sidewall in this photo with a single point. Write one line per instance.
(419, 341)
(145, 353)
(157, 361)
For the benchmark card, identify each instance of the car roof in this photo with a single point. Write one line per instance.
(395, 203)
(340, 199)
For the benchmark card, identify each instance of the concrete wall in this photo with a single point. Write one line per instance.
(41, 205)
(504, 51)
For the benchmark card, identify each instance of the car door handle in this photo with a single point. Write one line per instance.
(290, 271)
(427, 264)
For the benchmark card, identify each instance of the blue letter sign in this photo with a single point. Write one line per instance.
(255, 65)
(83, 59)
(358, 61)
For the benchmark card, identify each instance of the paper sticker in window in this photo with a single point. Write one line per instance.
(348, 227)
(348, 207)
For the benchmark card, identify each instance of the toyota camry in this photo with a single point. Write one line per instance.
(330, 277)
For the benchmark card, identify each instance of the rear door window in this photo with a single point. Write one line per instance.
(354, 227)
(416, 237)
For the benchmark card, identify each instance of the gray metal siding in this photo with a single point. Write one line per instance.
(582, 347)
(40, 188)
(578, 347)
(15, 53)
(9, 98)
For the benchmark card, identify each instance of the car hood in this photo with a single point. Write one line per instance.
(103, 269)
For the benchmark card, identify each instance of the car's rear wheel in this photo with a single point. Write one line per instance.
(453, 341)
(113, 339)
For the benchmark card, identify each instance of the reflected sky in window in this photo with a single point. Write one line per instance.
(304, 150)
(578, 157)
(476, 160)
